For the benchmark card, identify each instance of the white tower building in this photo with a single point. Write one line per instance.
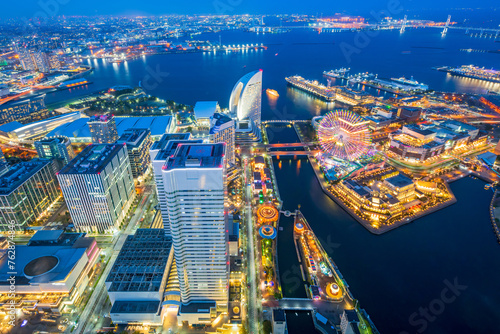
(246, 97)
(194, 182)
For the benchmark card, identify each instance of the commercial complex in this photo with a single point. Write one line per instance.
(137, 280)
(26, 191)
(222, 130)
(194, 182)
(422, 142)
(55, 148)
(103, 129)
(246, 98)
(51, 272)
(98, 187)
(138, 143)
(79, 130)
(17, 132)
(24, 111)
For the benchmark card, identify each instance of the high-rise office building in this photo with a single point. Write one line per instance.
(103, 129)
(194, 181)
(26, 191)
(222, 130)
(55, 148)
(98, 187)
(138, 143)
(246, 98)
(160, 151)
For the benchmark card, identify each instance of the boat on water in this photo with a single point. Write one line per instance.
(338, 73)
(410, 82)
(272, 92)
(73, 83)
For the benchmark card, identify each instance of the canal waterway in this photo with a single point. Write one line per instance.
(397, 275)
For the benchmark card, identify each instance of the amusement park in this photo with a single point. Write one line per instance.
(345, 142)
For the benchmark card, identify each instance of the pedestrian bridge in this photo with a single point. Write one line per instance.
(291, 153)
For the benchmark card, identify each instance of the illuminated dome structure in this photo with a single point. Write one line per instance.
(333, 291)
(344, 135)
(268, 232)
(267, 214)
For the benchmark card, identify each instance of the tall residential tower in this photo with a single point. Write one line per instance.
(194, 182)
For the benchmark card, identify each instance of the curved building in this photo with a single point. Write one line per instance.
(246, 97)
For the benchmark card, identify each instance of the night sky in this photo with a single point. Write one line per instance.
(30, 8)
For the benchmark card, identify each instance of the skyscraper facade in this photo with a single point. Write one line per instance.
(103, 129)
(246, 97)
(194, 181)
(160, 151)
(222, 130)
(138, 143)
(26, 191)
(98, 187)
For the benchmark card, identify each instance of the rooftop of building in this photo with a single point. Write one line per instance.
(50, 140)
(101, 118)
(92, 160)
(162, 143)
(279, 314)
(217, 120)
(158, 125)
(45, 263)
(195, 155)
(197, 307)
(399, 181)
(141, 263)
(419, 130)
(135, 306)
(133, 137)
(458, 126)
(11, 126)
(20, 173)
(205, 109)
(171, 146)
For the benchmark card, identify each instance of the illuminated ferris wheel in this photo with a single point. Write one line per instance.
(344, 135)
